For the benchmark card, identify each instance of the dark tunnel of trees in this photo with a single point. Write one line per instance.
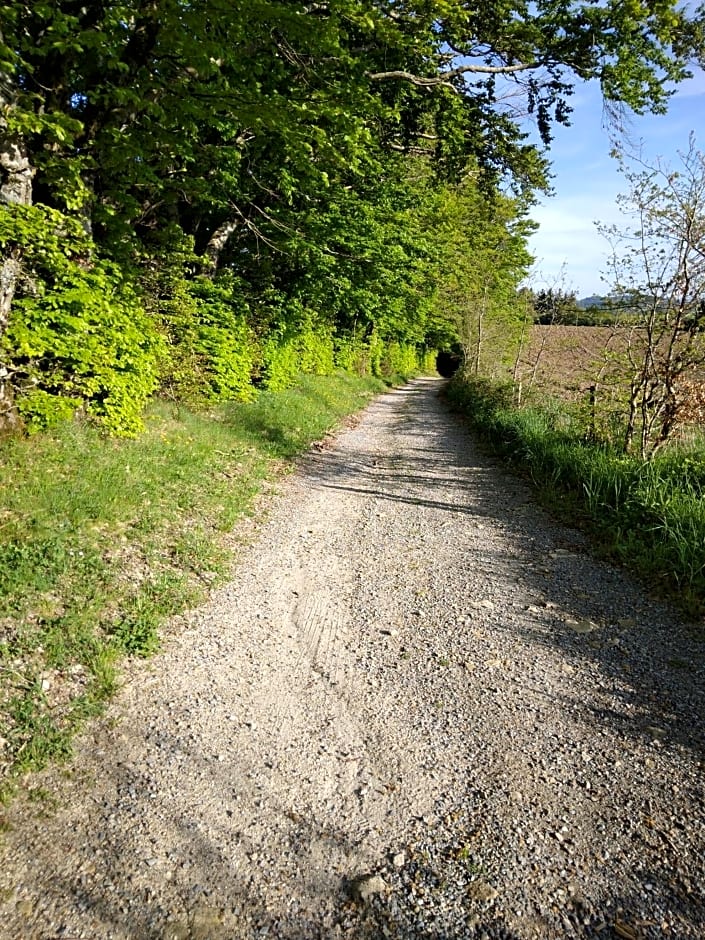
(448, 362)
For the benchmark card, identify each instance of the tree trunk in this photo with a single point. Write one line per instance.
(9, 275)
(15, 189)
(216, 244)
(631, 418)
(480, 337)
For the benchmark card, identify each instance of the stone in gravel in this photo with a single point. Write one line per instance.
(177, 930)
(625, 931)
(481, 891)
(205, 922)
(582, 626)
(399, 860)
(367, 886)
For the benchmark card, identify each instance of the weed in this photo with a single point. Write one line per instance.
(33, 732)
(44, 799)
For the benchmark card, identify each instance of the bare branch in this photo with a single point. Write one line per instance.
(443, 80)
(410, 149)
(437, 82)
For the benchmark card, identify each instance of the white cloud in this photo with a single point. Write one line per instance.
(568, 246)
(587, 182)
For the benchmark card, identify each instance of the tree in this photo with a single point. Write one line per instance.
(482, 259)
(15, 189)
(557, 306)
(543, 48)
(659, 283)
(265, 145)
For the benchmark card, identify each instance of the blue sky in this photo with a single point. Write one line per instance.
(569, 251)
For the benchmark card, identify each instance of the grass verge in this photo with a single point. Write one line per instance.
(101, 540)
(648, 515)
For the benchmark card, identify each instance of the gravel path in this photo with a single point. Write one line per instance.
(420, 710)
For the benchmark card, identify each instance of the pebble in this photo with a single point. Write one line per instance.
(365, 887)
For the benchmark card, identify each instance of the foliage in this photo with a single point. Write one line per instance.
(400, 361)
(557, 306)
(222, 339)
(299, 347)
(478, 290)
(79, 339)
(648, 514)
(295, 154)
(211, 350)
(352, 352)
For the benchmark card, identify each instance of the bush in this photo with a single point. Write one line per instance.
(352, 354)
(300, 347)
(79, 338)
(212, 352)
(222, 340)
(399, 359)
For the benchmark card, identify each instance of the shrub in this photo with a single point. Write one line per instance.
(212, 352)
(352, 354)
(222, 340)
(79, 338)
(302, 346)
(399, 359)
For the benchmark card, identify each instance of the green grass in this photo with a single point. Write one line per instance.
(649, 515)
(101, 540)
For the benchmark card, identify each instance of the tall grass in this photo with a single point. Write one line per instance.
(102, 539)
(650, 515)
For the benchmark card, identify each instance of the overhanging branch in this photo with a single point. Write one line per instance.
(444, 79)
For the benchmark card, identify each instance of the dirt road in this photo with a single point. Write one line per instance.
(419, 710)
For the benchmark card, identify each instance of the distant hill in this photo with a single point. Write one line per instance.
(595, 300)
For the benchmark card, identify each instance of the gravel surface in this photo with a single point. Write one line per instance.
(419, 710)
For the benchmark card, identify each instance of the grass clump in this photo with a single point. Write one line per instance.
(647, 514)
(102, 539)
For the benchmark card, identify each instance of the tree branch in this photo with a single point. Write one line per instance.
(443, 79)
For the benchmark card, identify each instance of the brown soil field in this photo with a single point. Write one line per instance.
(569, 359)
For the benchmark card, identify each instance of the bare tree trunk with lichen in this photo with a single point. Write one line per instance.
(15, 190)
